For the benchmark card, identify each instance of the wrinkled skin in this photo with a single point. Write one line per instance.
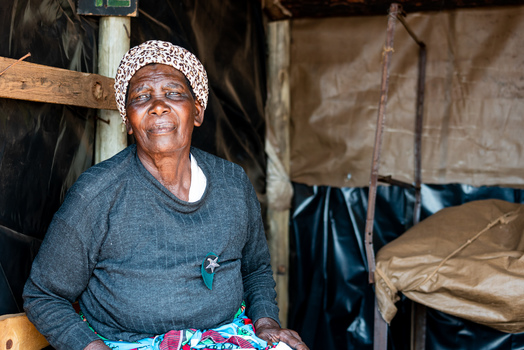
(161, 114)
(269, 330)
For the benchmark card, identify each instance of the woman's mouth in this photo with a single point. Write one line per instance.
(162, 128)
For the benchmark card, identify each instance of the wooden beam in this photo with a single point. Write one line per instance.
(277, 118)
(40, 83)
(18, 333)
(293, 9)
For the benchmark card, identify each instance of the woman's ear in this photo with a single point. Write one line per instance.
(199, 116)
(128, 127)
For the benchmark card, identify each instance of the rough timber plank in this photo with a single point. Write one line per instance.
(17, 333)
(39, 83)
(277, 116)
(293, 9)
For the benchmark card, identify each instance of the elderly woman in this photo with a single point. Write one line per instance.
(163, 244)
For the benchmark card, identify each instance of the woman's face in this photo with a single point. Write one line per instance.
(161, 112)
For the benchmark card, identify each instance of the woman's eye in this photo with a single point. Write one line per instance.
(141, 97)
(172, 93)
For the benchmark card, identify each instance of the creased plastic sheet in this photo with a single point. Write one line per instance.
(280, 194)
(43, 147)
(473, 99)
(17, 252)
(331, 302)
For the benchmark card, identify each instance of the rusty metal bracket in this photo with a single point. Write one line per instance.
(389, 180)
(419, 316)
(418, 324)
(380, 332)
(372, 195)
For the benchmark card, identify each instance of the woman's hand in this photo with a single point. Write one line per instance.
(269, 330)
(97, 345)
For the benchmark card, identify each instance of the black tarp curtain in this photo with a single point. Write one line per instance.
(331, 300)
(44, 148)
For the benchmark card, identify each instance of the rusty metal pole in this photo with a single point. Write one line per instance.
(418, 130)
(387, 53)
(380, 326)
(418, 311)
(418, 314)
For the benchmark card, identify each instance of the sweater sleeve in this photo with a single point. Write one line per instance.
(259, 285)
(58, 276)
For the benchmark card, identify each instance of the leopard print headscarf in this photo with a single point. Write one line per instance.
(156, 51)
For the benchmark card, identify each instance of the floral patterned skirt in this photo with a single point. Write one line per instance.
(240, 334)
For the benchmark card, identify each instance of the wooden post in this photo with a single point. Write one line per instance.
(114, 41)
(277, 118)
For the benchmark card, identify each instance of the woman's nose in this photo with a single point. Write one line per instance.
(159, 107)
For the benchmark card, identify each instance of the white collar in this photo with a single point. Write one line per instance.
(198, 181)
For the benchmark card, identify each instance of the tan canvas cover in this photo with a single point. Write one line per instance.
(467, 261)
(474, 106)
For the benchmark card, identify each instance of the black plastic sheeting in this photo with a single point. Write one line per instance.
(45, 147)
(17, 251)
(331, 302)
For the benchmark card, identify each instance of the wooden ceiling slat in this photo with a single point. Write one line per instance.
(292, 9)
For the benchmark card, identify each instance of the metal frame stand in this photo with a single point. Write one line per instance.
(418, 316)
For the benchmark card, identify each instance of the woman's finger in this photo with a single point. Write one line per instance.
(293, 339)
(301, 346)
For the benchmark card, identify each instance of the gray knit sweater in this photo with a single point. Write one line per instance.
(131, 253)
